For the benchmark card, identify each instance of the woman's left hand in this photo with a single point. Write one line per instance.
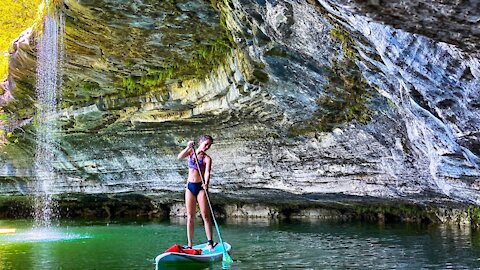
(205, 187)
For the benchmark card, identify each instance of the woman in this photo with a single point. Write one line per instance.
(196, 190)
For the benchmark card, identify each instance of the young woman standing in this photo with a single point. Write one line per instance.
(195, 191)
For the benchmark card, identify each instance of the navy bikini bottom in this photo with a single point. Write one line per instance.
(195, 188)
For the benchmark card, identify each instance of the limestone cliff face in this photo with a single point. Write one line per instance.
(303, 98)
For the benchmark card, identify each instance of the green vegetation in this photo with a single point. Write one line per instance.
(474, 214)
(207, 54)
(3, 66)
(205, 57)
(346, 94)
(18, 152)
(42, 13)
(80, 92)
(18, 109)
(346, 99)
(207, 49)
(338, 33)
(17, 15)
(19, 143)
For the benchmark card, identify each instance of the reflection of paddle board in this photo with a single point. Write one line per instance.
(5, 231)
(207, 256)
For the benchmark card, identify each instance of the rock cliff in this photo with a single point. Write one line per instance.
(310, 102)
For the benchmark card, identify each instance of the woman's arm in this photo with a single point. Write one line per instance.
(206, 175)
(187, 151)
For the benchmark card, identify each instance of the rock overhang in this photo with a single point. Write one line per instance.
(381, 158)
(124, 48)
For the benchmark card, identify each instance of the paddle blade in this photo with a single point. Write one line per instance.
(226, 261)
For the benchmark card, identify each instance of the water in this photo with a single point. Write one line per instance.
(49, 62)
(256, 245)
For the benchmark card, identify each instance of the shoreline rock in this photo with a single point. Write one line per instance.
(348, 208)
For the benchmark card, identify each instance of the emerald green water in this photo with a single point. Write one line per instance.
(256, 245)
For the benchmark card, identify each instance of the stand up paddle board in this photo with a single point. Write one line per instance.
(207, 256)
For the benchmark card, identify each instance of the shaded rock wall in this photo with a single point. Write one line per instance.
(452, 22)
(436, 92)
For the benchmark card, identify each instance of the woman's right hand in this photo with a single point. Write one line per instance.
(190, 144)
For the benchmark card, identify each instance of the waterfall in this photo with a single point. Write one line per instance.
(49, 60)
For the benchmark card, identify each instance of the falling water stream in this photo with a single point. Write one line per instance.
(49, 58)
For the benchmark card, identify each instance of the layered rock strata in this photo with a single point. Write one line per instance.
(306, 100)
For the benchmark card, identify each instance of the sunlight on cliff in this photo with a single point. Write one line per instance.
(17, 15)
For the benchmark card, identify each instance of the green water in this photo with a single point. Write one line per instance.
(256, 245)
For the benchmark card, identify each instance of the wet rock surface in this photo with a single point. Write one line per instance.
(310, 100)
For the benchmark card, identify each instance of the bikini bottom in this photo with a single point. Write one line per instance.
(195, 188)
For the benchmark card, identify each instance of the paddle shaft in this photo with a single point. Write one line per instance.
(209, 204)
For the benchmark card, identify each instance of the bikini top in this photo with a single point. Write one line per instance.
(192, 164)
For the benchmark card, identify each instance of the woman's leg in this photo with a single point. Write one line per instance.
(191, 205)
(205, 211)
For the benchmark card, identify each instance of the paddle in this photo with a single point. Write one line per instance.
(226, 259)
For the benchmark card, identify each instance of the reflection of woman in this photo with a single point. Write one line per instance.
(196, 190)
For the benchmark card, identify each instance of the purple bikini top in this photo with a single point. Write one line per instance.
(192, 164)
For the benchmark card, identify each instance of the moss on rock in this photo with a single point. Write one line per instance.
(172, 42)
(340, 34)
(473, 213)
(205, 57)
(345, 99)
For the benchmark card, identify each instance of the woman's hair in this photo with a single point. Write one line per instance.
(205, 138)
